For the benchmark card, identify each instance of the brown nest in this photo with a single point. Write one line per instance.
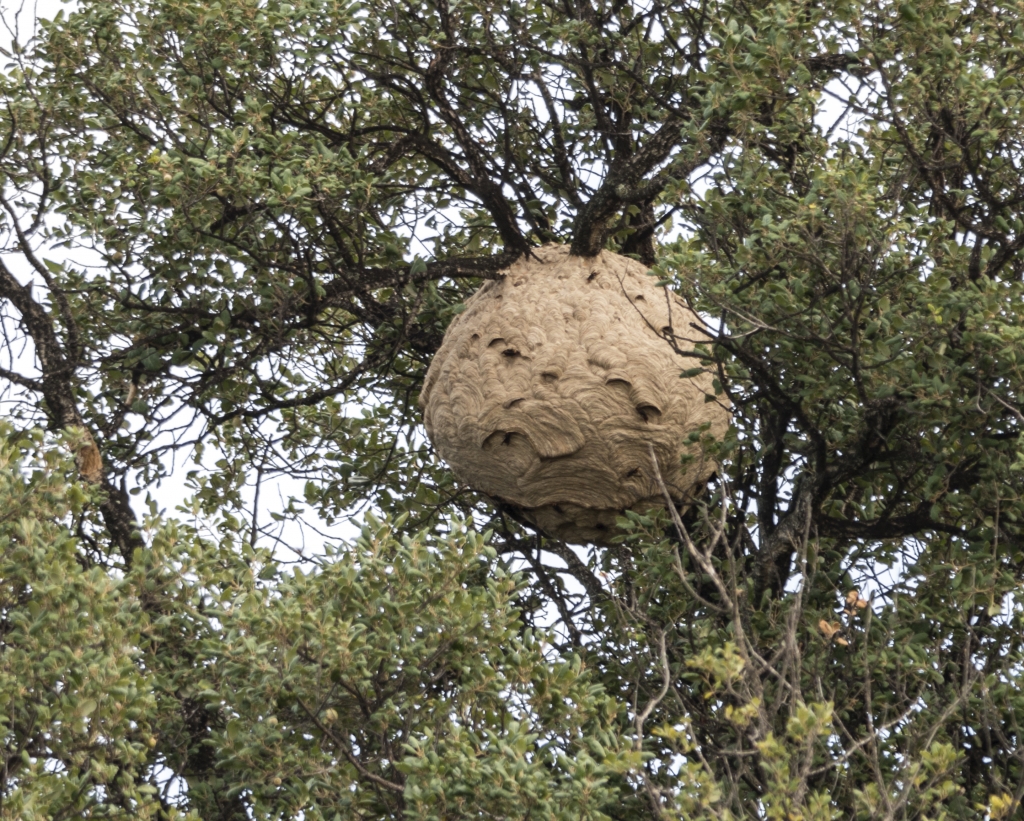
(551, 387)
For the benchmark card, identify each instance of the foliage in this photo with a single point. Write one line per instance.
(77, 707)
(247, 225)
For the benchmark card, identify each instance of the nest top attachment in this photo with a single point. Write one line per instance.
(551, 387)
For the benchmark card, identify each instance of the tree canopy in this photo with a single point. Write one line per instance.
(233, 236)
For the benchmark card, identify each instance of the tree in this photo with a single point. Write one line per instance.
(246, 226)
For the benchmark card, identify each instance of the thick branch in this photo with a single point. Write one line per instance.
(58, 389)
(625, 184)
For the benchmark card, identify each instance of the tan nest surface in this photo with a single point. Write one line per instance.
(550, 387)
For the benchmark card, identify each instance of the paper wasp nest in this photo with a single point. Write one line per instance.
(550, 386)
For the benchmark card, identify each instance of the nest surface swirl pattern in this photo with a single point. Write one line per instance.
(550, 387)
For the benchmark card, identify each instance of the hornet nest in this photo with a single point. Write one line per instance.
(550, 389)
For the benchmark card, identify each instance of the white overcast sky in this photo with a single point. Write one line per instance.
(21, 16)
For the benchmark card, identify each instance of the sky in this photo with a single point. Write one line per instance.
(21, 17)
